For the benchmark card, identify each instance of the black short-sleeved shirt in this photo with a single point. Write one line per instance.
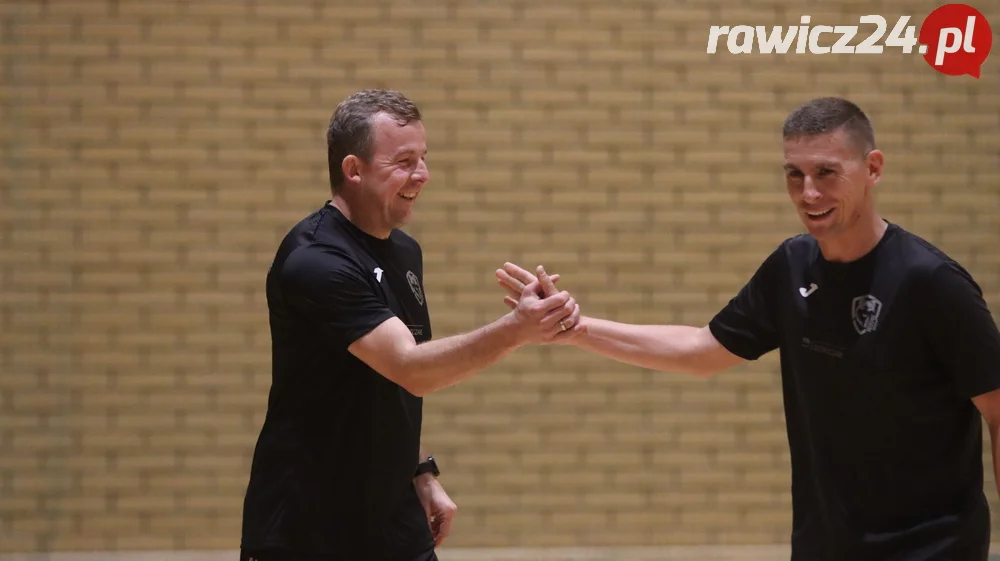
(332, 471)
(879, 360)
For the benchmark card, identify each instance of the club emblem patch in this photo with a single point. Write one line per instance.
(415, 287)
(864, 313)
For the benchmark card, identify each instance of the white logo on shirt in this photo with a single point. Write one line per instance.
(415, 287)
(378, 274)
(805, 293)
(864, 313)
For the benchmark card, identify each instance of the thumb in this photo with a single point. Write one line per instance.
(531, 289)
(548, 287)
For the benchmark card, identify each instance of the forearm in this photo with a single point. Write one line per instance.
(441, 363)
(667, 348)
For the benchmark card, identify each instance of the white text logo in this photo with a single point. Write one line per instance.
(954, 39)
(818, 40)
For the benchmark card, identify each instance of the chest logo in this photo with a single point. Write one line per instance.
(378, 274)
(806, 292)
(864, 313)
(415, 287)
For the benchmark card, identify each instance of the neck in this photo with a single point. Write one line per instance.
(857, 242)
(353, 212)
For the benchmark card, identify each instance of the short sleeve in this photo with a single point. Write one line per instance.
(746, 326)
(330, 288)
(961, 330)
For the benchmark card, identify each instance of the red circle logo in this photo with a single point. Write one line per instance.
(955, 39)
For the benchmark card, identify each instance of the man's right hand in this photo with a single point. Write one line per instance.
(546, 315)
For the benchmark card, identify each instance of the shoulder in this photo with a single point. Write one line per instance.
(918, 251)
(928, 267)
(317, 265)
(922, 258)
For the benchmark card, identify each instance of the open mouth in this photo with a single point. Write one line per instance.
(818, 215)
(409, 197)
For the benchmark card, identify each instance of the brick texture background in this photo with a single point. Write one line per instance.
(153, 154)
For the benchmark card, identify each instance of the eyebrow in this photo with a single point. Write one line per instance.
(831, 165)
(407, 151)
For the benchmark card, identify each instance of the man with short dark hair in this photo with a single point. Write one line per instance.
(890, 359)
(338, 473)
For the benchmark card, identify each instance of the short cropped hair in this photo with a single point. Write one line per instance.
(351, 130)
(828, 114)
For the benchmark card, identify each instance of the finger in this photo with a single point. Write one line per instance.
(518, 273)
(510, 283)
(530, 289)
(548, 288)
(561, 313)
(445, 529)
(511, 303)
(574, 318)
(514, 287)
(554, 302)
(513, 293)
(573, 323)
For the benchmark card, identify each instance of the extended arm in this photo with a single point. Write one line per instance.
(668, 348)
(422, 369)
(331, 289)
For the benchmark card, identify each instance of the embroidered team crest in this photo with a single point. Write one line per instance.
(864, 311)
(415, 287)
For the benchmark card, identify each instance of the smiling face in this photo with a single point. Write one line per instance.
(383, 189)
(829, 180)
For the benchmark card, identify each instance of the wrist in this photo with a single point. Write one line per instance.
(512, 325)
(425, 479)
(582, 327)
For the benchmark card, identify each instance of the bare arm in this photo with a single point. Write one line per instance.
(668, 348)
(422, 369)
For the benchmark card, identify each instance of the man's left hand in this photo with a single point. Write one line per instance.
(438, 506)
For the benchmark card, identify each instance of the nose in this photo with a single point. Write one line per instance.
(810, 193)
(421, 174)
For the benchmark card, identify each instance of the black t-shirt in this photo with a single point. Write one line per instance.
(332, 472)
(879, 360)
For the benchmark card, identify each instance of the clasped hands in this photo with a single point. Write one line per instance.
(545, 314)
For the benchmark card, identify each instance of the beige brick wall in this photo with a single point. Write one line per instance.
(153, 153)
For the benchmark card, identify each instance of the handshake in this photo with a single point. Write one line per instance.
(539, 312)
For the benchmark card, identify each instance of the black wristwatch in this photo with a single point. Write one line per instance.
(428, 466)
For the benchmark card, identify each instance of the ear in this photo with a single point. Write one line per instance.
(351, 168)
(874, 162)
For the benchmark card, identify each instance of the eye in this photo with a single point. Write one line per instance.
(825, 171)
(794, 174)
